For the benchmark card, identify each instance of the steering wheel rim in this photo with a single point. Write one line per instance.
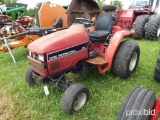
(84, 20)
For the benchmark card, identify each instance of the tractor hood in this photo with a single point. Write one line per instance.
(60, 40)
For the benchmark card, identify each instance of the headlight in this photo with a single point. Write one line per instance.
(41, 58)
(30, 53)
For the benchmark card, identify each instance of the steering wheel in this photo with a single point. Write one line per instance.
(85, 21)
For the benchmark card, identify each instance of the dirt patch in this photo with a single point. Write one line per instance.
(4, 107)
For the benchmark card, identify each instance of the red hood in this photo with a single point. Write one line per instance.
(58, 41)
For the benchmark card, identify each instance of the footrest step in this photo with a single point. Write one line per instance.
(97, 61)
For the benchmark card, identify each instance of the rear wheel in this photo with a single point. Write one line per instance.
(152, 29)
(157, 70)
(137, 103)
(74, 98)
(126, 59)
(139, 26)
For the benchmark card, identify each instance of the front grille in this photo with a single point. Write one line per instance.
(36, 65)
(33, 55)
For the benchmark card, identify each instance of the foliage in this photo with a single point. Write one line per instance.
(117, 3)
(7, 1)
(30, 12)
(37, 6)
(100, 3)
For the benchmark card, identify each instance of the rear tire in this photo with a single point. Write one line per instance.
(139, 26)
(126, 59)
(139, 99)
(29, 77)
(74, 98)
(157, 70)
(152, 29)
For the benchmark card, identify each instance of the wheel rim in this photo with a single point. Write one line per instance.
(158, 32)
(79, 101)
(133, 61)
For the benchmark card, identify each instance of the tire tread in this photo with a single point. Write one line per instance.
(137, 99)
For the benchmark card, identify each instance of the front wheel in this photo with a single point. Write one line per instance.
(29, 77)
(126, 59)
(74, 98)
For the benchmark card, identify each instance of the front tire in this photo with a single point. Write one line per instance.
(138, 100)
(152, 29)
(157, 70)
(74, 98)
(126, 59)
(29, 77)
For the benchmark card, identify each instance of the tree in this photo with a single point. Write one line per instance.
(7, 1)
(38, 5)
(33, 11)
(117, 3)
(30, 12)
(100, 3)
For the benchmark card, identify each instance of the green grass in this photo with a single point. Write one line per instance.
(18, 101)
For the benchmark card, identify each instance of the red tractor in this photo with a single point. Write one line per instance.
(143, 16)
(75, 48)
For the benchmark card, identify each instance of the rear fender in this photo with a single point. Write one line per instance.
(116, 29)
(125, 18)
(114, 43)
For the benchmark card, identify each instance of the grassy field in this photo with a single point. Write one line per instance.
(18, 101)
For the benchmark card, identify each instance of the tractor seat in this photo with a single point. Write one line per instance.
(103, 28)
(98, 34)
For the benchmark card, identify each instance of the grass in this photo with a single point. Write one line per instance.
(18, 101)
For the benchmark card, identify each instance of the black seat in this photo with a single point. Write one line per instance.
(103, 28)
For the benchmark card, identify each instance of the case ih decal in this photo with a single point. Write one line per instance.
(67, 51)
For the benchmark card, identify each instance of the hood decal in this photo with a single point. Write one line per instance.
(67, 51)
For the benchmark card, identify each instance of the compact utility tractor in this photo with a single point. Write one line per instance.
(143, 16)
(74, 49)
